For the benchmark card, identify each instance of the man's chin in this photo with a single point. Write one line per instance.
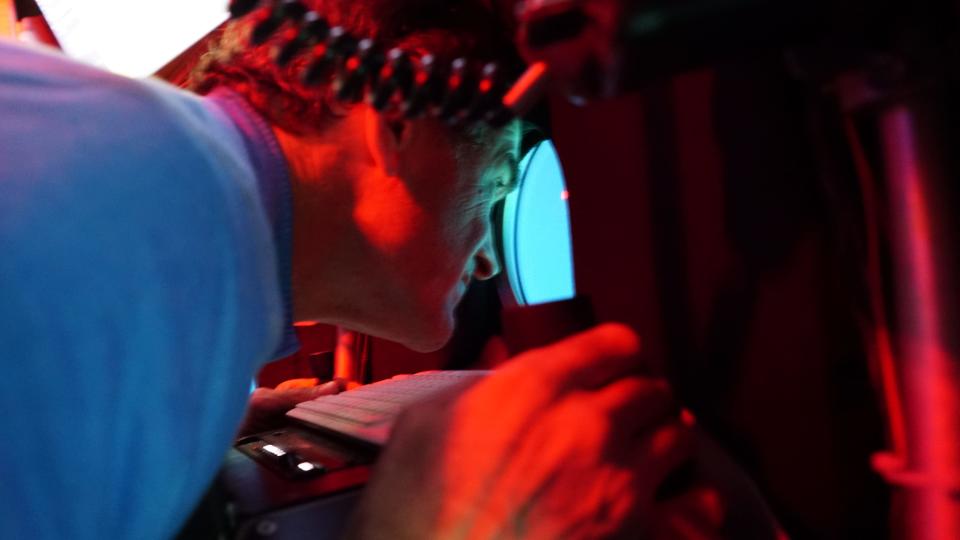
(423, 330)
(422, 339)
(428, 344)
(429, 338)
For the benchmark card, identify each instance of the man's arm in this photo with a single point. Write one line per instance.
(137, 295)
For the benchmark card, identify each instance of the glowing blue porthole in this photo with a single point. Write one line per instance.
(538, 252)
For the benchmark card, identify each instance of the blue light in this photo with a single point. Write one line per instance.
(536, 231)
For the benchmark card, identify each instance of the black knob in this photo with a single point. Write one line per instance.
(460, 91)
(371, 57)
(428, 86)
(313, 28)
(320, 69)
(265, 28)
(291, 9)
(359, 69)
(239, 8)
(396, 75)
(348, 86)
(341, 43)
(282, 12)
(489, 93)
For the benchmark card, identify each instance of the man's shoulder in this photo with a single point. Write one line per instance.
(68, 122)
(93, 148)
(41, 89)
(36, 78)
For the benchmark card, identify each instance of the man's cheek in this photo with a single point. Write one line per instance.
(388, 218)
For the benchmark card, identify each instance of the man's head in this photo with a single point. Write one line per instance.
(391, 216)
(450, 28)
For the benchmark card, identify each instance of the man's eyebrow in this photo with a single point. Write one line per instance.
(506, 156)
(514, 170)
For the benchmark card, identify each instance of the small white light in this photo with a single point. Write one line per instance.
(306, 466)
(273, 450)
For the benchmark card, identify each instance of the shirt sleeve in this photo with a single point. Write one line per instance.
(138, 293)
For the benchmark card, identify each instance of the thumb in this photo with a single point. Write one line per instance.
(299, 395)
(325, 389)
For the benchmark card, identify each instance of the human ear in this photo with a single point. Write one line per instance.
(386, 138)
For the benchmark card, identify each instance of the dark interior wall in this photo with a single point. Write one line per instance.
(700, 217)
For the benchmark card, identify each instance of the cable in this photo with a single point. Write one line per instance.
(459, 91)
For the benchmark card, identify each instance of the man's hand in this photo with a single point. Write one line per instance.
(566, 441)
(267, 406)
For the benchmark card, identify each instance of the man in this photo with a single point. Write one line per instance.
(156, 247)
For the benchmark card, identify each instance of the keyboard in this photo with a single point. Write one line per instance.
(368, 413)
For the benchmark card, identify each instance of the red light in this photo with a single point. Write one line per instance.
(527, 88)
(485, 86)
(930, 399)
(353, 63)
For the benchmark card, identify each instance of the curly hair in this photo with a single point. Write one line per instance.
(469, 28)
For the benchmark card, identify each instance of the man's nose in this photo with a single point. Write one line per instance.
(486, 264)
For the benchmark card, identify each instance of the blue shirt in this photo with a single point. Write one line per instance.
(144, 255)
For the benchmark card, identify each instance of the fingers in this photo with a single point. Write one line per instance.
(633, 404)
(298, 383)
(268, 405)
(299, 395)
(589, 359)
(703, 505)
(659, 453)
(646, 431)
(283, 399)
(698, 513)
